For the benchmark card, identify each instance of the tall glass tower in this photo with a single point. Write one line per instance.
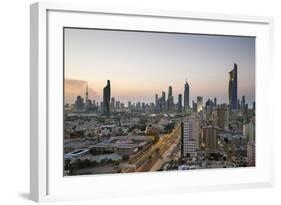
(106, 98)
(186, 96)
(232, 88)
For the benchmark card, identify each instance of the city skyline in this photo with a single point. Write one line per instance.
(175, 100)
(206, 78)
(148, 101)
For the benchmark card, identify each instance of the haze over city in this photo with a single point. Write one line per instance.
(145, 102)
(141, 64)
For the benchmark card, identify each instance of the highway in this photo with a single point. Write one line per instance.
(146, 160)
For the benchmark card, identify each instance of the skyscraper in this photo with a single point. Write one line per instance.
(186, 96)
(180, 103)
(194, 106)
(232, 88)
(106, 98)
(215, 102)
(157, 103)
(189, 135)
(112, 103)
(209, 108)
(162, 102)
(156, 99)
(209, 139)
(87, 101)
(222, 120)
(170, 100)
(170, 92)
(87, 93)
(79, 104)
(199, 103)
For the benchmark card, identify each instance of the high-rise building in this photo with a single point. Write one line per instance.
(112, 102)
(189, 135)
(138, 105)
(186, 96)
(157, 104)
(232, 88)
(222, 119)
(180, 103)
(243, 101)
(170, 92)
(215, 102)
(199, 103)
(209, 139)
(117, 104)
(156, 99)
(251, 153)
(170, 100)
(209, 107)
(194, 106)
(170, 103)
(86, 94)
(106, 98)
(249, 129)
(79, 104)
(163, 102)
(87, 101)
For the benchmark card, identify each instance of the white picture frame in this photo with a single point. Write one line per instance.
(46, 177)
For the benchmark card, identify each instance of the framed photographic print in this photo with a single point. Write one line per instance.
(127, 102)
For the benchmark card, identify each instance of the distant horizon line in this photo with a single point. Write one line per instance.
(148, 102)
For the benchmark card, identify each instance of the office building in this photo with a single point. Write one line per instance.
(179, 103)
(251, 153)
(249, 129)
(170, 100)
(232, 88)
(157, 104)
(106, 98)
(222, 118)
(209, 107)
(112, 102)
(194, 106)
(163, 102)
(199, 103)
(215, 102)
(209, 140)
(189, 136)
(79, 104)
(186, 96)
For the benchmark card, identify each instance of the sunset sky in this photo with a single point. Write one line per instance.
(141, 64)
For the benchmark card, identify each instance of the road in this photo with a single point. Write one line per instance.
(147, 160)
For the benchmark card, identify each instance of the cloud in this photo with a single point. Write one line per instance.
(74, 88)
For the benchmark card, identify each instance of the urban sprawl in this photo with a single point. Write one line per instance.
(114, 137)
